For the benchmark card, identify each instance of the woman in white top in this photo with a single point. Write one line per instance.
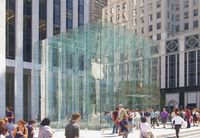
(178, 121)
(45, 130)
(145, 129)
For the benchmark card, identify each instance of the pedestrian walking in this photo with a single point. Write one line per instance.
(114, 117)
(30, 127)
(164, 115)
(10, 114)
(145, 129)
(72, 129)
(178, 121)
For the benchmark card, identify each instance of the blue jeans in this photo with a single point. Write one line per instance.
(115, 128)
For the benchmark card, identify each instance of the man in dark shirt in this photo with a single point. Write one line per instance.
(72, 129)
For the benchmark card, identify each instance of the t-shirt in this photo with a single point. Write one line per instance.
(72, 130)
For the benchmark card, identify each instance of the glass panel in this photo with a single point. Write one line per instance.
(27, 48)
(42, 19)
(10, 29)
(93, 68)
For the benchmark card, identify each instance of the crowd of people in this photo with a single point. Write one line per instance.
(123, 122)
(149, 119)
(23, 129)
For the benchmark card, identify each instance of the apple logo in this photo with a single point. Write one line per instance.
(97, 69)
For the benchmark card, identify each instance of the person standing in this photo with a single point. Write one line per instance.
(187, 115)
(114, 117)
(30, 127)
(178, 121)
(72, 129)
(20, 131)
(121, 114)
(10, 114)
(45, 130)
(164, 115)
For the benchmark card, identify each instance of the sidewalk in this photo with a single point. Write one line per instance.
(159, 132)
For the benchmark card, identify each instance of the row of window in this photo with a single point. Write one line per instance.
(27, 23)
(123, 7)
(185, 27)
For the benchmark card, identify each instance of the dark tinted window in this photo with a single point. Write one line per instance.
(56, 17)
(10, 29)
(80, 12)
(42, 19)
(27, 49)
(69, 14)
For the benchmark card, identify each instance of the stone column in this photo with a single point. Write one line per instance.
(63, 13)
(35, 52)
(19, 61)
(3, 57)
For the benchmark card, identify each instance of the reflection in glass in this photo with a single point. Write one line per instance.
(91, 69)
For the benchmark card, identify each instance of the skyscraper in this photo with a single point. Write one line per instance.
(24, 22)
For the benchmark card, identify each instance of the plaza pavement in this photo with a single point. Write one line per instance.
(159, 132)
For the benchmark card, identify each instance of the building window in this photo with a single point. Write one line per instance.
(186, 15)
(134, 12)
(27, 35)
(195, 24)
(106, 12)
(42, 19)
(117, 8)
(124, 15)
(81, 62)
(186, 4)
(111, 19)
(177, 17)
(195, 12)
(158, 26)
(192, 68)
(150, 28)
(158, 15)
(172, 71)
(80, 12)
(56, 17)
(186, 26)
(177, 7)
(134, 22)
(172, 17)
(172, 6)
(158, 36)
(142, 30)
(111, 10)
(124, 6)
(150, 6)
(150, 17)
(142, 19)
(158, 3)
(134, 2)
(117, 16)
(151, 37)
(177, 28)
(69, 14)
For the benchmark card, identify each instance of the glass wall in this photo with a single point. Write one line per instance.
(93, 68)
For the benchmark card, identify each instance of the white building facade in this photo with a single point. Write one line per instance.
(24, 22)
(175, 25)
